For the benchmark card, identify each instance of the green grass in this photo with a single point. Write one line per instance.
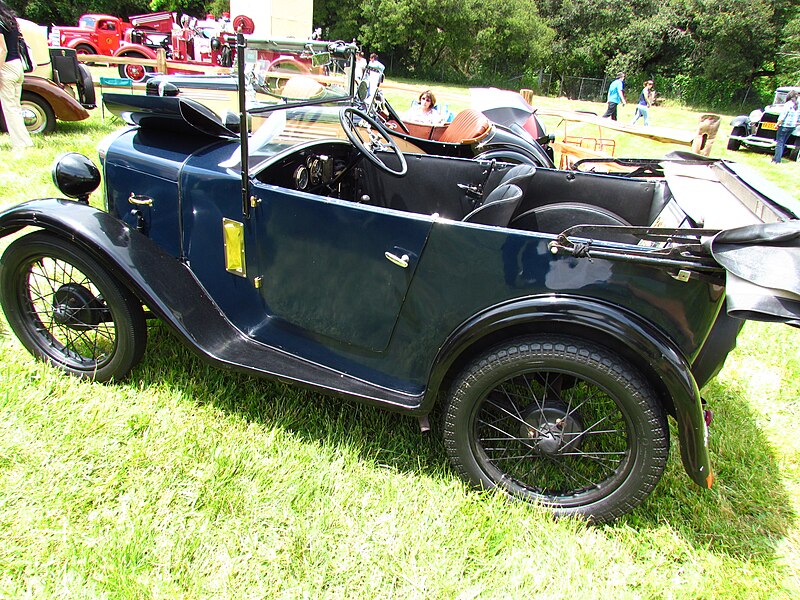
(185, 481)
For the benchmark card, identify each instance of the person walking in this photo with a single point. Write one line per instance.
(374, 74)
(616, 96)
(787, 121)
(645, 102)
(11, 77)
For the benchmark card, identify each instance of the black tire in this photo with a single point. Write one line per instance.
(84, 49)
(559, 422)
(795, 153)
(736, 144)
(86, 91)
(39, 115)
(67, 310)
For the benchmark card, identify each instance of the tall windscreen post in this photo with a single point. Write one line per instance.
(243, 123)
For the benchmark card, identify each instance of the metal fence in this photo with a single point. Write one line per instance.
(595, 89)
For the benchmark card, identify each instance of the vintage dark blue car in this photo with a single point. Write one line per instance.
(559, 317)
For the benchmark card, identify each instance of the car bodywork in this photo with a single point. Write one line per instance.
(344, 265)
(58, 88)
(758, 130)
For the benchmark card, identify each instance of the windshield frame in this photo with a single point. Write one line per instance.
(337, 49)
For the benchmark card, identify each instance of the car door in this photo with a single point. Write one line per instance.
(332, 267)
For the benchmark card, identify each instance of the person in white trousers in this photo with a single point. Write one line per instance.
(11, 77)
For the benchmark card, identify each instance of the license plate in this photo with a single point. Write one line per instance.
(773, 126)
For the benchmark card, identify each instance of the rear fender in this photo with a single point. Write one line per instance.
(655, 355)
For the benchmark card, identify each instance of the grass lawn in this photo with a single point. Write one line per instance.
(185, 481)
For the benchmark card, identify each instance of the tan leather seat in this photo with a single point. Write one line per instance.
(468, 127)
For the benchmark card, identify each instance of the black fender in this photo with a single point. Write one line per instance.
(135, 260)
(621, 331)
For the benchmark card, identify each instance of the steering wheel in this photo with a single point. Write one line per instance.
(377, 139)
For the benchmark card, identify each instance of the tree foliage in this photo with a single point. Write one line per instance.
(717, 46)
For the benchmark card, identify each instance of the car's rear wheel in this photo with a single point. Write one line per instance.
(37, 114)
(736, 144)
(560, 422)
(67, 310)
(795, 153)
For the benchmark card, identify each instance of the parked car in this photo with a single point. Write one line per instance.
(757, 131)
(560, 317)
(58, 89)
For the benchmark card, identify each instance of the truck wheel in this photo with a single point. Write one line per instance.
(735, 144)
(37, 114)
(559, 422)
(67, 310)
(84, 49)
(134, 72)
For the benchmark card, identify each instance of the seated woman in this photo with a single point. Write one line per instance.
(424, 112)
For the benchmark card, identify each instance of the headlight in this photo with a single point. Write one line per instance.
(75, 176)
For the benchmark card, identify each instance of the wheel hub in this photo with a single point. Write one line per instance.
(551, 429)
(76, 307)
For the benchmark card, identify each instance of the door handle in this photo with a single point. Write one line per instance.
(140, 200)
(400, 261)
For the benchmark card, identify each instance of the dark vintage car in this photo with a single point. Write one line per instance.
(58, 88)
(559, 317)
(758, 130)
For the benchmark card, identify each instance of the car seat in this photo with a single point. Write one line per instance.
(498, 208)
(469, 126)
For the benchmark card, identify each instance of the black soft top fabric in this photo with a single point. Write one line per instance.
(763, 270)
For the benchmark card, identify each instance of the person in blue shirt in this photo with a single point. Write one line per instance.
(787, 121)
(616, 96)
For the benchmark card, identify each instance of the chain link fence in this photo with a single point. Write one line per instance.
(595, 89)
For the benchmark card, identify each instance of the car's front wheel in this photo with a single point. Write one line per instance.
(736, 144)
(560, 422)
(67, 310)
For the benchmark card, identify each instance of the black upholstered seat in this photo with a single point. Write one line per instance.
(499, 206)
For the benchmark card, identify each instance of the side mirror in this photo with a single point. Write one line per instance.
(321, 59)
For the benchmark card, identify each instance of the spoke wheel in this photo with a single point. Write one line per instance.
(559, 422)
(67, 310)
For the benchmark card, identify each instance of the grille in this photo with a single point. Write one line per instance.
(770, 131)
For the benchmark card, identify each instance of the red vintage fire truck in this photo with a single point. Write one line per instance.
(200, 42)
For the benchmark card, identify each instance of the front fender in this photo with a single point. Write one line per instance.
(136, 49)
(642, 343)
(160, 281)
(741, 121)
(75, 42)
